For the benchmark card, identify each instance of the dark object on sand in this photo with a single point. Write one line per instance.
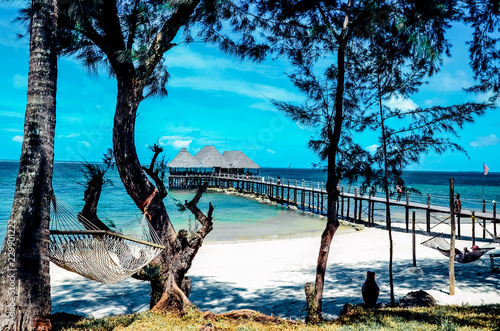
(370, 290)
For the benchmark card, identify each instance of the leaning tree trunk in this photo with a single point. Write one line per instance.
(170, 289)
(25, 301)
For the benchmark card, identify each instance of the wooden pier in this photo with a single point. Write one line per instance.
(352, 206)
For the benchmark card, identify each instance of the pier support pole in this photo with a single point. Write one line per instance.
(342, 203)
(484, 228)
(407, 212)
(373, 213)
(288, 194)
(428, 213)
(355, 204)
(473, 219)
(369, 209)
(494, 218)
(452, 235)
(348, 207)
(413, 240)
(295, 192)
(360, 209)
(322, 199)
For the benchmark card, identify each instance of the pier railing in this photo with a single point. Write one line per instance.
(479, 205)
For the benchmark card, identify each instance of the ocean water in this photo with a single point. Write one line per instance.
(237, 218)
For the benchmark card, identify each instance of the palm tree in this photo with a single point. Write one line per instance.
(24, 264)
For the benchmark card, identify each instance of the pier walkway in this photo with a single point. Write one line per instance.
(312, 197)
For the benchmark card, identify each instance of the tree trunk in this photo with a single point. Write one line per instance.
(167, 271)
(386, 188)
(314, 307)
(24, 264)
(91, 198)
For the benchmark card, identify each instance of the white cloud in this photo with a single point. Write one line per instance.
(7, 113)
(263, 105)
(452, 82)
(372, 148)
(12, 130)
(270, 151)
(243, 88)
(434, 102)
(400, 103)
(175, 141)
(71, 135)
(85, 143)
(490, 140)
(18, 139)
(181, 143)
(20, 81)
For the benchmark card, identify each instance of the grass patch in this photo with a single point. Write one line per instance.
(440, 318)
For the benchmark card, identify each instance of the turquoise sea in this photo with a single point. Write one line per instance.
(237, 218)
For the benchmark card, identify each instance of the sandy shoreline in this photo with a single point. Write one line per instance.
(269, 275)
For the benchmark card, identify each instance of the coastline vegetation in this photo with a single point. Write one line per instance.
(484, 317)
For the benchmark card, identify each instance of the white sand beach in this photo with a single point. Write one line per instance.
(269, 276)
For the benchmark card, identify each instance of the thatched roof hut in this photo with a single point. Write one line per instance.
(210, 157)
(238, 160)
(184, 160)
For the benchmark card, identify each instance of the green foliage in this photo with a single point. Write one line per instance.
(95, 174)
(484, 18)
(130, 37)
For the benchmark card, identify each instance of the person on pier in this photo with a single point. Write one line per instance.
(399, 189)
(458, 205)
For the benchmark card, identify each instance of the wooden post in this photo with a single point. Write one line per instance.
(355, 204)
(282, 195)
(413, 240)
(484, 206)
(312, 192)
(484, 228)
(407, 212)
(309, 193)
(360, 209)
(303, 200)
(348, 207)
(373, 213)
(495, 218)
(473, 219)
(288, 194)
(452, 241)
(322, 198)
(342, 203)
(369, 209)
(295, 192)
(428, 213)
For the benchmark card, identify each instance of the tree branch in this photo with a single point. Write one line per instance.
(163, 39)
(206, 221)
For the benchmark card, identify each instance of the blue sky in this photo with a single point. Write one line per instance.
(218, 101)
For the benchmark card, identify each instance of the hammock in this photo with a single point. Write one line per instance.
(441, 245)
(79, 246)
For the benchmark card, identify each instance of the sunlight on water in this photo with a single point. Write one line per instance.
(237, 218)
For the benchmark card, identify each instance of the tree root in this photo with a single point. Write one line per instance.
(248, 314)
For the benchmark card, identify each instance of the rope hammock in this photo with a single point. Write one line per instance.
(440, 244)
(79, 246)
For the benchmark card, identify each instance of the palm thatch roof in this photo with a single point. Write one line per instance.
(184, 160)
(238, 160)
(210, 157)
